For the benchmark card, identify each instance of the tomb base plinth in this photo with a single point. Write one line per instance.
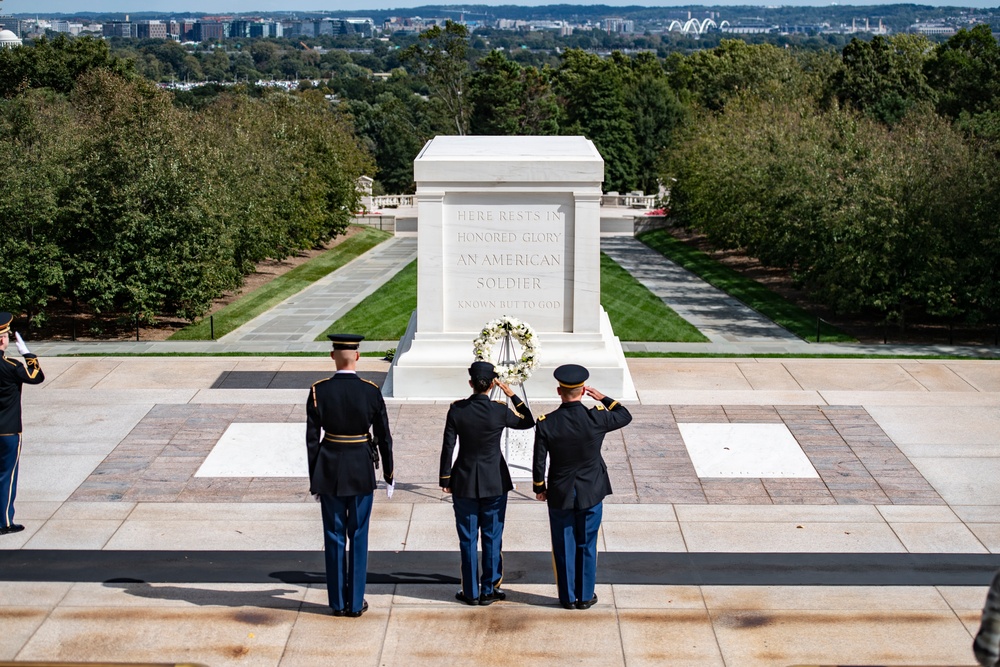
(435, 366)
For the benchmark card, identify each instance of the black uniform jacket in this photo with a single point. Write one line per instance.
(572, 437)
(480, 470)
(12, 375)
(337, 409)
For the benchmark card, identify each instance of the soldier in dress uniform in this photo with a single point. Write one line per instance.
(986, 646)
(346, 430)
(571, 438)
(13, 375)
(479, 479)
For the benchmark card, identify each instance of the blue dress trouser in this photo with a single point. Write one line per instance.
(481, 519)
(574, 551)
(10, 456)
(345, 520)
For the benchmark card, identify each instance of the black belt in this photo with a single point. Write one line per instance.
(337, 439)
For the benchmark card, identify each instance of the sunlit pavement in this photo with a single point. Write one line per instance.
(876, 550)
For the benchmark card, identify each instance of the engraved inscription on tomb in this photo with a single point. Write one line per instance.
(506, 260)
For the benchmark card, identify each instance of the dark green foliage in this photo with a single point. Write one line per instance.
(868, 218)
(885, 77)
(965, 71)
(593, 99)
(56, 64)
(440, 58)
(510, 99)
(121, 203)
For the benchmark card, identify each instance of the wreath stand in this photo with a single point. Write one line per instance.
(518, 445)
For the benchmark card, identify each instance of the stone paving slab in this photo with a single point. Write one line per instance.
(905, 450)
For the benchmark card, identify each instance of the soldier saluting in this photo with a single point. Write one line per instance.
(571, 438)
(13, 375)
(346, 429)
(479, 479)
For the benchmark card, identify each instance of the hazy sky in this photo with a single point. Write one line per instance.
(230, 6)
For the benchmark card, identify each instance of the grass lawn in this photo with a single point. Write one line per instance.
(386, 312)
(636, 314)
(750, 292)
(258, 301)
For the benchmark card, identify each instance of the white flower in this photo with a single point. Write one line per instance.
(522, 333)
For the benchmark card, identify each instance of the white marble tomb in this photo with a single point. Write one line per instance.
(508, 226)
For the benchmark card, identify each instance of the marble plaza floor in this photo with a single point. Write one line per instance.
(766, 512)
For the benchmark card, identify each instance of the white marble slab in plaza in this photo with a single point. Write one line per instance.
(258, 450)
(745, 450)
(508, 226)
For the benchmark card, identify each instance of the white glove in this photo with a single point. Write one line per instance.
(389, 489)
(21, 347)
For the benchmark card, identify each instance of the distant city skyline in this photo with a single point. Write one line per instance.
(362, 6)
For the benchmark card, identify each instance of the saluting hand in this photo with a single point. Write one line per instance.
(593, 393)
(504, 388)
(21, 347)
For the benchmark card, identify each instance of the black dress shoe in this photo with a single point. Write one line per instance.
(588, 604)
(567, 605)
(462, 597)
(12, 528)
(338, 612)
(355, 614)
(486, 599)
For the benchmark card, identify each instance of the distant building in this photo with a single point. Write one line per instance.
(12, 24)
(240, 28)
(361, 26)
(8, 39)
(412, 25)
(117, 29)
(752, 29)
(182, 30)
(66, 27)
(208, 31)
(150, 29)
(619, 25)
(932, 29)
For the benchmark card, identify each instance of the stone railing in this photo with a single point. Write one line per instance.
(631, 200)
(392, 201)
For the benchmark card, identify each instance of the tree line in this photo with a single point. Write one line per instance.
(871, 175)
(120, 202)
(868, 171)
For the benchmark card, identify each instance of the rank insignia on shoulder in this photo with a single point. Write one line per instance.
(541, 418)
(599, 406)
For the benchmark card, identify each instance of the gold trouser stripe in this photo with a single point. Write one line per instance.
(345, 439)
(10, 491)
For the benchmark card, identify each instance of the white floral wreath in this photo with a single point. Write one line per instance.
(521, 332)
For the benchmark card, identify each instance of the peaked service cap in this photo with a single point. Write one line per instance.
(571, 376)
(345, 341)
(482, 369)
